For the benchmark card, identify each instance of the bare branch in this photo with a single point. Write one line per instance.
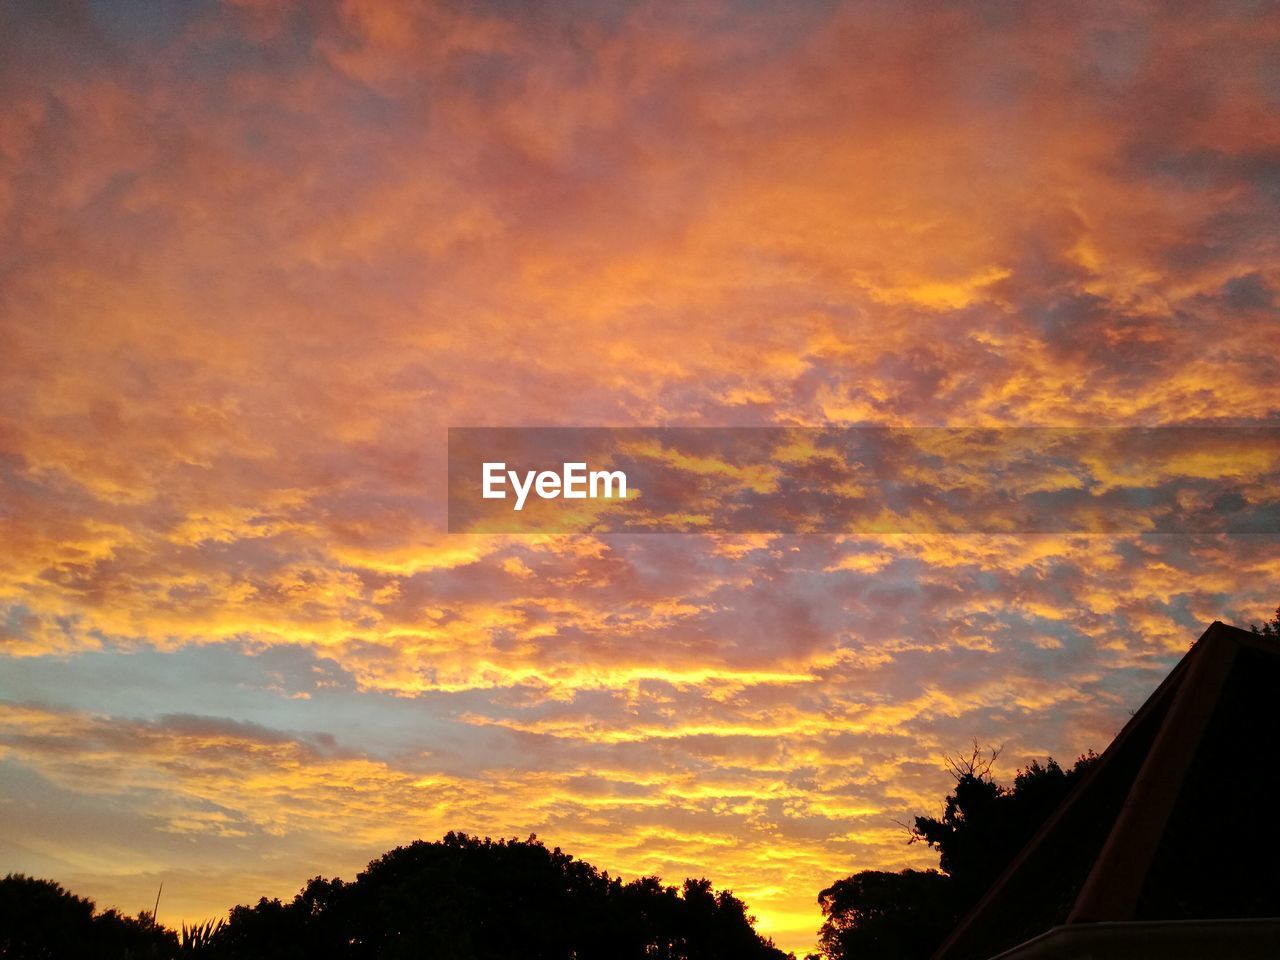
(977, 764)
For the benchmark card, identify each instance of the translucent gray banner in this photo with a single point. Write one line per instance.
(872, 480)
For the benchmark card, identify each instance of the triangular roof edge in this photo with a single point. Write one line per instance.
(1167, 688)
(1114, 883)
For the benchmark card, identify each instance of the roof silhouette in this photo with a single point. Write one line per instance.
(1174, 822)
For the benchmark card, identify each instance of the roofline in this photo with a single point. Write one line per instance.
(1166, 688)
(1241, 939)
(1114, 884)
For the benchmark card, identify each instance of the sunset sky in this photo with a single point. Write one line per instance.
(257, 257)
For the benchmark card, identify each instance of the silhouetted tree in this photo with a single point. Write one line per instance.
(470, 899)
(1269, 629)
(39, 920)
(982, 827)
(875, 915)
(461, 898)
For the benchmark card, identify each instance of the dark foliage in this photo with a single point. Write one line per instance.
(983, 825)
(873, 915)
(1269, 629)
(474, 899)
(461, 898)
(39, 920)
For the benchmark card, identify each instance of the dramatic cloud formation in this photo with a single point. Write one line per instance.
(256, 257)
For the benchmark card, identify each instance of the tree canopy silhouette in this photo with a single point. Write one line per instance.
(460, 898)
(876, 914)
(39, 920)
(984, 825)
(463, 897)
(873, 915)
(1269, 629)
